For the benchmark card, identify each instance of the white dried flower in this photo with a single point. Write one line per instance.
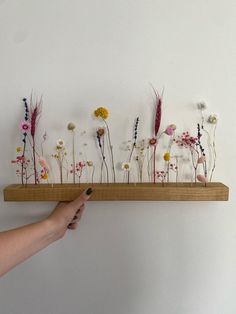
(126, 166)
(60, 143)
(213, 119)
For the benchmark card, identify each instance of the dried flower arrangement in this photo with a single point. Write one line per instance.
(141, 163)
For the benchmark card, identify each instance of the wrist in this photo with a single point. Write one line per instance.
(52, 230)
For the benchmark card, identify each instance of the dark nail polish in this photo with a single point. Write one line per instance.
(89, 191)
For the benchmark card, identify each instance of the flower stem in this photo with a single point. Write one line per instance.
(34, 161)
(73, 154)
(111, 150)
(130, 157)
(154, 165)
(214, 154)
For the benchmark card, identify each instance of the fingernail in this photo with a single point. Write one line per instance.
(89, 191)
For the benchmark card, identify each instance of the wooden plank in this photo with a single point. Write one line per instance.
(119, 192)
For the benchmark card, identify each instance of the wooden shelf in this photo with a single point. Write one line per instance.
(119, 192)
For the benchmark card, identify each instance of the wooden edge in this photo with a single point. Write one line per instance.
(119, 192)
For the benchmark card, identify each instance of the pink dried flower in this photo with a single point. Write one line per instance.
(81, 164)
(202, 178)
(25, 126)
(169, 131)
(43, 163)
(186, 140)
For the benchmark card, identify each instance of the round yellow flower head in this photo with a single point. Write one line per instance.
(101, 112)
(166, 156)
(18, 149)
(90, 163)
(71, 126)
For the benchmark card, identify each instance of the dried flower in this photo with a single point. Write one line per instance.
(35, 112)
(169, 131)
(60, 143)
(18, 149)
(153, 141)
(43, 163)
(213, 119)
(126, 166)
(101, 112)
(80, 164)
(201, 160)
(166, 156)
(173, 167)
(202, 178)
(44, 176)
(89, 163)
(100, 131)
(173, 126)
(158, 105)
(161, 175)
(71, 126)
(25, 126)
(201, 105)
(186, 140)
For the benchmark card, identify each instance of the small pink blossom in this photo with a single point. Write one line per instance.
(81, 164)
(43, 163)
(202, 178)
(186, 140)
(25, 126)
(169, 131)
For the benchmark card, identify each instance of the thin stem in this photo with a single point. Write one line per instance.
(192, 149)
(93, 173)
(73, 154)
(130, 157)
(214, 152)
(111, 150)
(154, 165)
(23, 162)
(105, 163)
(34, 161)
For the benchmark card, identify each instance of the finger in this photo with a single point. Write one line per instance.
(79, 201)
(76, 220)
(73, 226)
(81, 209)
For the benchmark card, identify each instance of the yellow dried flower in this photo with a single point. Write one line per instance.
(45, 176)
(18, 149)
(173, 126)
(166, 156)
(71, 126)
(101, 112)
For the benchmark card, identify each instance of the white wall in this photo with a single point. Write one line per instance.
(126, 258)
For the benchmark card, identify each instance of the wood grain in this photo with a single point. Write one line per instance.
(119, 192)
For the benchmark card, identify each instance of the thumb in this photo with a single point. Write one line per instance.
(81, 199)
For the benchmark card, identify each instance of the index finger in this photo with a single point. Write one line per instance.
(84, 197)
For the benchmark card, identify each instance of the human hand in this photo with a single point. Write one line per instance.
(67, 215)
